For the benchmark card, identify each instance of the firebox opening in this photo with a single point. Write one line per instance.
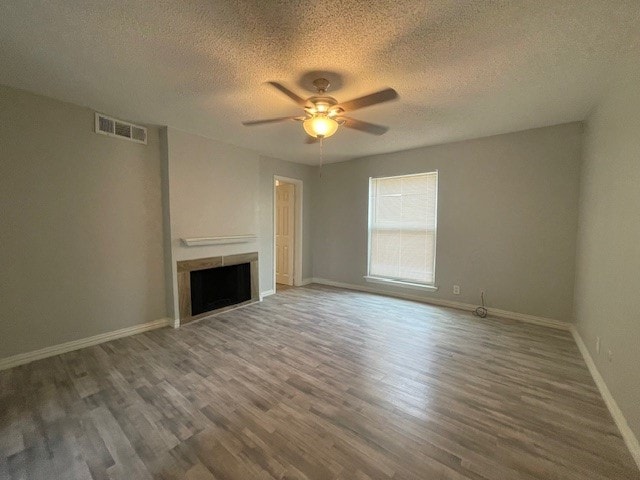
(220, 287)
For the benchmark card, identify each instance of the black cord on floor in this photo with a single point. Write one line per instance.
(481, 311)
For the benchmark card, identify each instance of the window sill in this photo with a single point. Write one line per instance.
(400, 283)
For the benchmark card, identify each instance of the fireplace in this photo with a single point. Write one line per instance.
(215, 288)
(215, 284)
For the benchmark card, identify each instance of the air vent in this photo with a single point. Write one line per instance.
(123, 130)
(117, 128)
(139, 134)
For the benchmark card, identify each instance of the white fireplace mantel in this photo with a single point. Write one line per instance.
(201, 241)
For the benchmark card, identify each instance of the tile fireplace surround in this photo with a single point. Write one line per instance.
(185, 267)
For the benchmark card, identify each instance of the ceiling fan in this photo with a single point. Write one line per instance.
(323, 114)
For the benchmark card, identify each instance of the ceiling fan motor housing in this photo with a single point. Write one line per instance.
(320, 104)
(321, 84)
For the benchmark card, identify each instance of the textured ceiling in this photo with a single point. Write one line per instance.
(463, 69)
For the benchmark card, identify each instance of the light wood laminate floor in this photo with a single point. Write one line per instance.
(316, 383)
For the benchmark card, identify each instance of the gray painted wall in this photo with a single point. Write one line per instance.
(607, 301)
(215, 189)
(309, 175)
(212, 190)
(507, 218)
(81, 226)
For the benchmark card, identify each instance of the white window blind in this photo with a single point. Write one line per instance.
(402, 227)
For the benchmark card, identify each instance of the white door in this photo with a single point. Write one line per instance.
(285, 199)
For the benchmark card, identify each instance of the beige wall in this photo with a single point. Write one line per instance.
(80, 227)
(607, 301)
(507, 218)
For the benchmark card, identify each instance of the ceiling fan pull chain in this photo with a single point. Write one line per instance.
(321, 154)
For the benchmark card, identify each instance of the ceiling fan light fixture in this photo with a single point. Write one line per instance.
(320, 126)
(322, 107)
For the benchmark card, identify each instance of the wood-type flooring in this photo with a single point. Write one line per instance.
(315, 383)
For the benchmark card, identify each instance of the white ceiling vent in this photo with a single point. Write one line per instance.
(118, 128)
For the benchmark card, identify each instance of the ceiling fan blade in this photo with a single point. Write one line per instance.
(372, 99)
(251, 123)
(367, 127)
(311, 140)
(299, 100)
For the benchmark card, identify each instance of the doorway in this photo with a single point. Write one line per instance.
(287, 232)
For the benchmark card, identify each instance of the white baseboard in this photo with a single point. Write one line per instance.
(22, 358)
(522, 317)
(267, 293)
(618, 417)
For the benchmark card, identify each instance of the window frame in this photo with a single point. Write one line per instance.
(400, 281)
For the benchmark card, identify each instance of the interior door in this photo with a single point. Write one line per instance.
(285, 203)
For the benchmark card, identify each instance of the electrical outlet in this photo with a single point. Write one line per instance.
(610, 355)
(598, 345)
(456, 289)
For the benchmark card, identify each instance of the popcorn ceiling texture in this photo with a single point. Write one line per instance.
(462, 69)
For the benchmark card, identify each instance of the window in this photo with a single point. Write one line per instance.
(402, 228)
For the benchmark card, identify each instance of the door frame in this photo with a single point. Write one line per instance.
(297, 228)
